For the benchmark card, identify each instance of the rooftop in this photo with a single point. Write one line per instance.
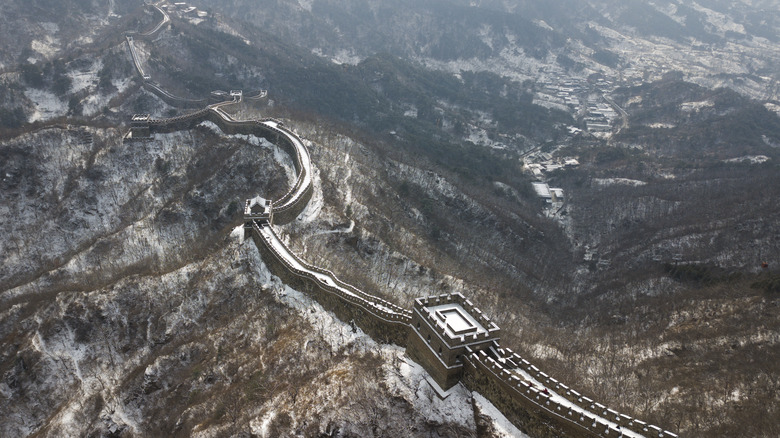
(542, 189)
(456, 320)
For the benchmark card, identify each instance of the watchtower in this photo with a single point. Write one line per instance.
(257, 209)
(139, 126)
(444, 329)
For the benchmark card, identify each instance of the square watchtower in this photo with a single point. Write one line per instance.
(139, 126)
(258, 209)
(442, 328)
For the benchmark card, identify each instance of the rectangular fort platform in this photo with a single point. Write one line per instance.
(139, 126)
(444, 328)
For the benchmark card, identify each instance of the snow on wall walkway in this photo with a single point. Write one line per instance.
(381, 308)
(556, 399)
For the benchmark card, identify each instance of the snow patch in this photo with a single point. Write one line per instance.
(773, 107)
(484, 34)
(540, 351)
(479, 137)
(769, 142)
(121, 84)
(238, 234)
(47, 104)
(261, 427)
(503, 427)
(341, 56)
(661, 125)
(347, 185)
(618, 181)
(543, 24)
(47, 47)
(85, 78)
(696, 106)
(751, 159)
(721, 21)
(670, 11)
(511, 62)
(346, 57)
(410, 382)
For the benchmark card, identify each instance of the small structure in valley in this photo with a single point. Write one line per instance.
(445, 328)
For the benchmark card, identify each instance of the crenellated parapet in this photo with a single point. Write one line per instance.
(451, 315)
(258, 209)
(513, 383)
(256, 95)
(328, 281)
(289, 205)
(377, 317)
(447, 334)
(169, 98)
(140, 126)
(444, 329)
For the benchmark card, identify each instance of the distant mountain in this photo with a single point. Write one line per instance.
(418, 28)
(44, 29)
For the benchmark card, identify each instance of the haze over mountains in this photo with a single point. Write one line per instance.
(646, 275)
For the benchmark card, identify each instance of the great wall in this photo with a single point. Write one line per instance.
(446, 334)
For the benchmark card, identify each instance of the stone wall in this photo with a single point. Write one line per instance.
(525, 413)
(179, 123)
(170, 99)
(380, 327)
(420, 351)
(287, 208)
(533, 408)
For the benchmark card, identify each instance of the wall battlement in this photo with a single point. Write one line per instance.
(327, 280)
(422, 305)
(286, 208)
(380, 319)
(556, 399)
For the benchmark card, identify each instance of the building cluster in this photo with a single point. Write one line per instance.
(600, 115)
(183, 9)
(581, 97)
(562, 94)
(565, 91)
(549, 194)
(537, 164)
(540, 163)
